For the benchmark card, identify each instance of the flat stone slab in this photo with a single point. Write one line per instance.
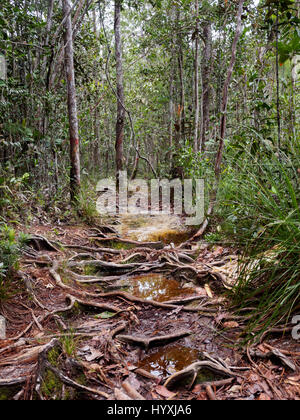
(2, 328)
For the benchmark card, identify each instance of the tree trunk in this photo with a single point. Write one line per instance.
(120, 90)
(72, 103)
(182, 95)
(171, 87)
(219, 157)
(206, 74)
(57, 61)
(197, 103)
(226, 89)
(48, 30)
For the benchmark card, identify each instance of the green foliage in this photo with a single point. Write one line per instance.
(10, 248)
(196, 165)
(213, 237)
(86, 203)
(51, 386)
(69, 344)
(260, 205)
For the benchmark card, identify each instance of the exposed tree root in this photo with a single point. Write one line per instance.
(95, 250)
(153, 341)
(13, 381)
(96, 305)
(120, 295)
(192, 371)
(127, 296)
(69, 382)
(184, 301)
(105, 266)
(43, 365)
(91, 279)
(152, 245)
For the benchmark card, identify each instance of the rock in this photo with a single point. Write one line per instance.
(2, 328)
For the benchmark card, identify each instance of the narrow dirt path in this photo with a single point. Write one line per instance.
(101, 315)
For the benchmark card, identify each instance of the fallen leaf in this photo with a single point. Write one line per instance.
(264, 397)
(235, 390)
(285, 360)
(164, 392)
(131, 367)
(94, 367)
(105, 315)
(95, 354)
(231, 325)
(208, 291)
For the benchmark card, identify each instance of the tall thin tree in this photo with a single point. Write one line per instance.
(72, 102)
(223, 123)
(120, 125)
(206, 75)
(224, 105)
(196, 80)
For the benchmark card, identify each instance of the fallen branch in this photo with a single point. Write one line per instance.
(132, 392)
(121, 396)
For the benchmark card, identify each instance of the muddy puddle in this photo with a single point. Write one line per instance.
(143, 228)
(169, 360)
(156, 287)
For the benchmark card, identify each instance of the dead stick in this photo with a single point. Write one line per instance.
(132, 392)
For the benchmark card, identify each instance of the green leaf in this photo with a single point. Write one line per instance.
(105, 315)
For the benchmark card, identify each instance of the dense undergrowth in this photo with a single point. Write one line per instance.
(260, 206)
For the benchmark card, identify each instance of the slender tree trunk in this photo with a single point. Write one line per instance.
(120, 90)
(182, 94)
(224, 105)
(197, 103)
(180, 111)
(294, 80)
(171, 88)
(278, 84)
(206, 74)
(58, 61)
(72, 103)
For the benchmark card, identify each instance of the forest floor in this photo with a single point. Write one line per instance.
(123, 312)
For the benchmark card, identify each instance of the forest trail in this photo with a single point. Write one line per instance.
(104, 316)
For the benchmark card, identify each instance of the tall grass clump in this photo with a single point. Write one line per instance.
(260, 203)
